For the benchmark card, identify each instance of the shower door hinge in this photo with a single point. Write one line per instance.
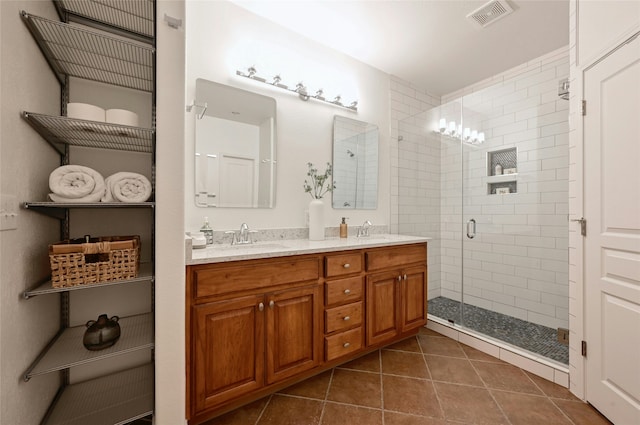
(584, 348)
(584, 108)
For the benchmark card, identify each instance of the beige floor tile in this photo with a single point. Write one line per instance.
(354, 387)
(551, 389)
(410, 395)
(505, 377)
(404, 364)
(440, 346)
(369, 363)
(314, 387)
(285, 410)
(342, 414)
(246, 415)
(526, 409)
(409, 344)
(469, 404)
(429, 332)
(580, 412)
(395, 418)
(475, 354)
(453, 370)
(455, 387)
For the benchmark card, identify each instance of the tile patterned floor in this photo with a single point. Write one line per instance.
(425, 380)
(526, 335)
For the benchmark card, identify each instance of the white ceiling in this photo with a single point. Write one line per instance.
(430, 43)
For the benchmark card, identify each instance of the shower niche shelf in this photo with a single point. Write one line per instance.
(506, 181)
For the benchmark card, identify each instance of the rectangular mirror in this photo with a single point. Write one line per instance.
(355, 164)
(235, 145)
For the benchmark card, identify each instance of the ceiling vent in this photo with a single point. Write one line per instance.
(489, 13)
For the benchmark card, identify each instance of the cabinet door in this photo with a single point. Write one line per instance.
(293, 332)
(413, 311)
(228, 350)
(382, 306)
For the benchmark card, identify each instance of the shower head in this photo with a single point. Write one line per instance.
(350, 153)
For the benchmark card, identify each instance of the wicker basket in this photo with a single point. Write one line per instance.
(91, 260)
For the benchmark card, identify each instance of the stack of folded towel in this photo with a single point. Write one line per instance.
(76, 183)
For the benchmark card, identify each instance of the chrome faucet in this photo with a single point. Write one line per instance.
(242, 237)
(363, 231)
(244, 233)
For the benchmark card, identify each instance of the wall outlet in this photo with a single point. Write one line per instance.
(8, 212)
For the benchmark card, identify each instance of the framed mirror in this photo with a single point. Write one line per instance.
(355, 164)
(235, 147)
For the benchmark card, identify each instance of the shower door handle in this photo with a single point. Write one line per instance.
(471, 228)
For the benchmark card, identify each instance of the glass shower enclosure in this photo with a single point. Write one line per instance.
(486, 177)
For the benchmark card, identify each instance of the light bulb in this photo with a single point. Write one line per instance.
(480, 137)
(474, 136)
(452, 128)
(467, 133)
(442, 126)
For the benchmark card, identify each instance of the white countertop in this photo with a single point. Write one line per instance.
(219, 253)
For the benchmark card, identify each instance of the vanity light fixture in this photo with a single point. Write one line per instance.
(300, 89)
(467, 135)
(276, 82)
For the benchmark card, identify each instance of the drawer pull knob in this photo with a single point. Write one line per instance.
(346, 265)
(346, 318)
(404, 277)
(271, 304)
(261, 307)
(346, 345)
(347, 291)
(399, 278)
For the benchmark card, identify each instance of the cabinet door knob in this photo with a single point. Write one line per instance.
(347, 291)
(346, 318)
(261, 306)
(399, 278)
(271, 304)
(346, 345)
(346, 265)
(404, 277)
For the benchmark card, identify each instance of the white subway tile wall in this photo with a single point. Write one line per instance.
(517, 264)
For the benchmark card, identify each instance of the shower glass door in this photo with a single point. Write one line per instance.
(514, 213)
(486, 177)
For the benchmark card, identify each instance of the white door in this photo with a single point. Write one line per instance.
(237, 181)
(612, 245)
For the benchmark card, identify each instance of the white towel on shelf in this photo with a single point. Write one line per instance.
(76, 183)
(127, 187)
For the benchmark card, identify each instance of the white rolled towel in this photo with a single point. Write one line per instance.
(127, 187)
(76, 183)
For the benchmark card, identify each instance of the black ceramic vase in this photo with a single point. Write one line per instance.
(101, 333)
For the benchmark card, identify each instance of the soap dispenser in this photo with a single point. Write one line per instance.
(207, 230)
(343, 228)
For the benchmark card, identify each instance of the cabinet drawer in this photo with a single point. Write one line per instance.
(343, 290)
(216, 279)
(400, 256)
(343, 264)
(343, 317)
(343, 343)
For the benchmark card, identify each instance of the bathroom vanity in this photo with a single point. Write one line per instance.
(265, 316)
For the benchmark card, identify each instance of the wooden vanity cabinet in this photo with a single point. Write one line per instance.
(396, 297)
(241, 339)
(256, 326)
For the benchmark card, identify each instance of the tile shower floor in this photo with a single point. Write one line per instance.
(425, 380)
(526, 335)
